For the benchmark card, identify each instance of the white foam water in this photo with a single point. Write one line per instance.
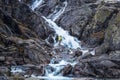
(67, 40)
(36, 4)
(58, 11)
(17, 69)
(55, 75)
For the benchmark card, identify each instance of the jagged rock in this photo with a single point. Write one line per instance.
(67, 70)
(77, 53)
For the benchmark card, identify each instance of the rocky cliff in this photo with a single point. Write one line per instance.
(97, 24)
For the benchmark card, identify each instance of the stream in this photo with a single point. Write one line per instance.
(67, 41)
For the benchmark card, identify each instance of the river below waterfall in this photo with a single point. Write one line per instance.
(53, 71)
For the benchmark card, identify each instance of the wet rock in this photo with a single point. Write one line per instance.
(67, 70)
(78, 53)
(39, 71)
(86, 55)
(49, 69)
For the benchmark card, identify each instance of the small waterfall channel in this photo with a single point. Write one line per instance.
(67, 41)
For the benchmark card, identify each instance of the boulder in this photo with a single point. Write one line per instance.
(67, 70)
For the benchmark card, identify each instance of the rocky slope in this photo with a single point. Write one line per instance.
(96, 24)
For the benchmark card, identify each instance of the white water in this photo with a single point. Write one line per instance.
(36, 4)
(17, 69)
(67, 40)
(58, 67)
(58, 11)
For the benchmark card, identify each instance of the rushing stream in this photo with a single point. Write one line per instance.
(67, 41)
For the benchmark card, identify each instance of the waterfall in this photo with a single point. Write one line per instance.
(67, 41)
(58, 11)
(36, 4)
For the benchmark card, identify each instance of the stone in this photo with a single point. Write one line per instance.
(2, 58)
(67, 70)
(108, 63)
(85, 55)
(77, 53)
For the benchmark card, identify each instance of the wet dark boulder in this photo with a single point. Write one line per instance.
(67, 70)
(83, 69)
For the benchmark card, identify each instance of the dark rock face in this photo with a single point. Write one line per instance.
(23, 14)
(75, 20)
(76, 17)
(21, 31)
(94, 32)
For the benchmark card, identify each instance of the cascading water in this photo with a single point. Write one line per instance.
(67, 41)
(36, 4)
(58, 11)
